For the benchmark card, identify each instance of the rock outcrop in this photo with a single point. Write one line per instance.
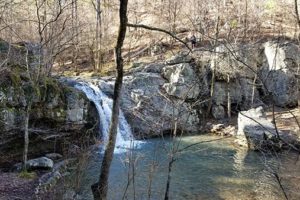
(160, 97)
(58, 114)
(181, 57)
(149, 109)
(252, 75)
(156, 95)
(279, 71)
(183, 82)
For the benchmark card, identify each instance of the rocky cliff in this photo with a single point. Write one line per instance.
(60, 116)
(159, 97)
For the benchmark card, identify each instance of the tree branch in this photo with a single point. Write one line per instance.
(159, 30)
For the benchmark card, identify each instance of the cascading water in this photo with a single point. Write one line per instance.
(104, 104)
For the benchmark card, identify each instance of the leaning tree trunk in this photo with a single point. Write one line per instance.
(100, 189)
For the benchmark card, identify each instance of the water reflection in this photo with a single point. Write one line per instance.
(214, 170)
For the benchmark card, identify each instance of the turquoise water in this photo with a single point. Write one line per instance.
(209, 170)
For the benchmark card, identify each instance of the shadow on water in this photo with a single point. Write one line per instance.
(214, 170)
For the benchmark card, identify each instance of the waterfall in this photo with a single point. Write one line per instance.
(104, 104)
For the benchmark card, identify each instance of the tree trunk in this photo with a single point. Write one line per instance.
(26, 137)
(297, 13)
(74, 32)
(100, 189)
(212, 91)
(228, 98)
(253, 90)
(98, 36)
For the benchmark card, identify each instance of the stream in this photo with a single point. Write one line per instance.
(206, 167)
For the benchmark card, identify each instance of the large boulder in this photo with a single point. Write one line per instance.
(40, 163)
(183, 82)
(149, 110)
(152, 112)
(282, 56)
(279, 72)
(256, 132)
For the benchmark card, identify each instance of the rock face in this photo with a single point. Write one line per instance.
(150, 111)
(182, 57)
(236, 61)
(269, 67)
(183, 82)
(157, 95)
(148, 108)
(279, 72)
(58, 114)
(218, 112)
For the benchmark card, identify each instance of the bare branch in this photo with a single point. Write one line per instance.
(159, 30)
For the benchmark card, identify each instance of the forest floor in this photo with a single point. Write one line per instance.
(287, 120)
(14, 187)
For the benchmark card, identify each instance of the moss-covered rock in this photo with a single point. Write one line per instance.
(59, 115)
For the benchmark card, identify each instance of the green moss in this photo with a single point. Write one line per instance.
(15, 79)
(27, 175)
(67, 89)
(53, 87)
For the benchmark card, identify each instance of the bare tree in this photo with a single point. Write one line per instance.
(100, 189)
(98, 35)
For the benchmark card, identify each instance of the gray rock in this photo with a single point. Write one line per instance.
(282, 56)
(256, 132)
(183, 81)
(182, 57)
(76, 108)
(240, 94)
(222, 129)
(150, 111)
(153, 68)
(37, 163)
(40, 163)
(149, 68)
(70, 194)
(231, 61)
(54, 156)
(48, 180)
(218, 112)
(10, 117)
(279, 72)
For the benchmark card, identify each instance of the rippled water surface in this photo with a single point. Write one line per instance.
(209, 170)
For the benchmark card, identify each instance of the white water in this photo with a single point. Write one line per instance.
(125, 139)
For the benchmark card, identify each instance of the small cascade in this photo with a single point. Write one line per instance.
(104, 104)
